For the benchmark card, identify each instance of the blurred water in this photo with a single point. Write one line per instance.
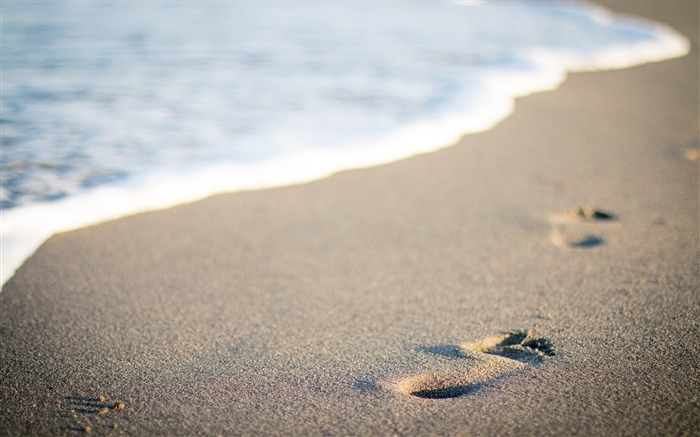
(95, 92)
(166, 96)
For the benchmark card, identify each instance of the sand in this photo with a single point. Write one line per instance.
(540, 278)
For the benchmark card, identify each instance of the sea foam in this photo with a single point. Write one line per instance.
(115, 108)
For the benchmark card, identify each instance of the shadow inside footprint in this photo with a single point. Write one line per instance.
(573, 241)
(447, 393)
(589, 241)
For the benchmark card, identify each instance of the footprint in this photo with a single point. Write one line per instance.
(475, 364)
(576, 227)
(86, 414)
(524, 346)
(582, 214)
(574, 240)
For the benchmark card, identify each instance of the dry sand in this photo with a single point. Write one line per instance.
(320, 308)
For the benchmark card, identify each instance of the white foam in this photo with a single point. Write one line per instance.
(484, 104)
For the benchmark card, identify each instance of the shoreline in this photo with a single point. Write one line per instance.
(319, 308)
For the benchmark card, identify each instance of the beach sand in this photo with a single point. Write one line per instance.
(539, 278)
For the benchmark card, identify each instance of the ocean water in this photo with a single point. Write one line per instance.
(115, 107)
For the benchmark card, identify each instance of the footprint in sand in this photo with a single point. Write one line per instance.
(576, 227)
(475, 364)
(87, 414)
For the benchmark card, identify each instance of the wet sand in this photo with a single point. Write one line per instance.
(540, 278)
